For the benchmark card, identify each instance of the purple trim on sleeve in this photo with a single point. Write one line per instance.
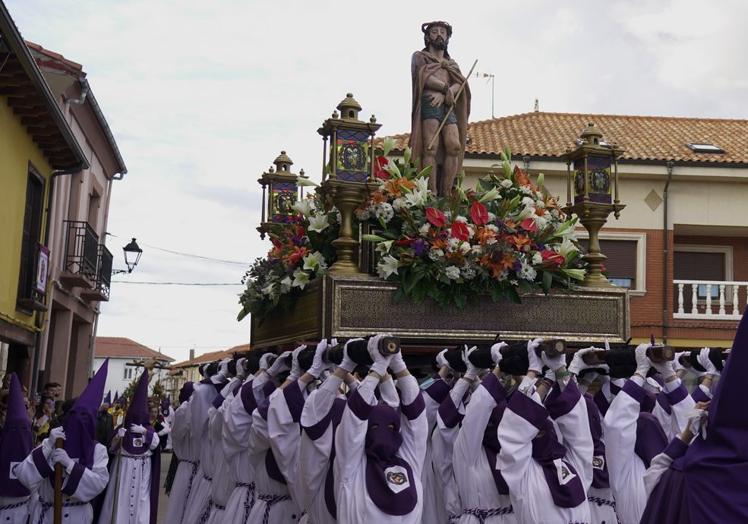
(248, 398)
(217, 401)
(560, 403)
(316, 431)
(634, 390)
(73, 479)
(529, 410)
(236, 387)
(262, 409)
(359, 406)
(268, 387)
(495, 389)
(294, 400)
(449, 413)
(676, 395)
(149, 432)
(415, 408)
(676, 449)
(41, 463)
(438, 390)
(698, 395)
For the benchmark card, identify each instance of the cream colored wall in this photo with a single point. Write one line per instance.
(17, 149)
(701, 196)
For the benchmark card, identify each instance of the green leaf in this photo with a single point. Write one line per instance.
(547, 281)
(513, 295)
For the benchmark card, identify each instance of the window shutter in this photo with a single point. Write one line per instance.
(691, 265)
(621, 262)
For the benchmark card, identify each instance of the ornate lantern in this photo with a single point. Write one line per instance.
(347, 175)
(280, 191)
(592, 194)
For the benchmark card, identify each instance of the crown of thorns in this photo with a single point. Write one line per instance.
(428, 25)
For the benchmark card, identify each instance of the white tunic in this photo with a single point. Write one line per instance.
(236, 429)
(223, 482)
(528, 489)
(273, 503)
(15, 510)
(315, 449)
(481, 500)
(354, 503)
(625, 468)
(448, 419)
(36, 473)
(133, 490)
(201, 409)
(187, 468)
(433, 497)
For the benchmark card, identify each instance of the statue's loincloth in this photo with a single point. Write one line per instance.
(428, 111)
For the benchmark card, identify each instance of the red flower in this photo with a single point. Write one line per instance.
(551, 258)
(379, 164)
(435, 217)
(460, 231)
(406, 241)
(529, 225)
(479, 214)
(295, 256)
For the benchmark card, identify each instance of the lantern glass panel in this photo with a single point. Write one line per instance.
(283, 196)
(352, 155)
(598, 178)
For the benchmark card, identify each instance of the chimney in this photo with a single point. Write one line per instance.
(192, 354)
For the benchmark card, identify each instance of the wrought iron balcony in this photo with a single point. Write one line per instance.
(709, 299)
(103, 277)
(81, 255)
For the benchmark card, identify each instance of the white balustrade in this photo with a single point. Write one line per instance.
(701, 303)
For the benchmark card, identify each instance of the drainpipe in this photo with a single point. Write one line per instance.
(665, 253)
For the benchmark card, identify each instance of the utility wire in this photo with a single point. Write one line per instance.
(180, 253)
(176, 283)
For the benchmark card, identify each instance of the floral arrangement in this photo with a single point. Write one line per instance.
(302, 250)
(506, 236)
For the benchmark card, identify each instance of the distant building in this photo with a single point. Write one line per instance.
(685, 270)
(187, 371)
(37, 145)
(122, 351)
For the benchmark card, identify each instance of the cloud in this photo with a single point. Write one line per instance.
(202, 96)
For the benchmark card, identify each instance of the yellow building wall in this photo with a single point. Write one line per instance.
(17, 149)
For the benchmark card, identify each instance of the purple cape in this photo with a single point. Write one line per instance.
(16, 440)
(716, 468)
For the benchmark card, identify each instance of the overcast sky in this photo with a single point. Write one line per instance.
(202, 96)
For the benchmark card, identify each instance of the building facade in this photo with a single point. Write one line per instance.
(681, 243)
(80, 265)
(37, 146)
(188, 370)
(127, 360)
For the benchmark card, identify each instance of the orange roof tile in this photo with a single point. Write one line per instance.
(205, 357)
(644, 138)
(121, 347)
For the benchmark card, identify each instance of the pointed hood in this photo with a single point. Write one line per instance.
(716, 467)
(80, 422)
(116, 396)
(16, 440)
(108, 398)
(137, 411)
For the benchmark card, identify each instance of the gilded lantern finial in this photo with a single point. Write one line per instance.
(349, 108)
(283, 163)
(280, 191)
(591, 135)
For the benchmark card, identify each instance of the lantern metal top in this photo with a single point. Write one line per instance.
(591, 141)
(283, 163)
(349, 107)
(591, 135)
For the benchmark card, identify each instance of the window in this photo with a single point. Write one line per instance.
(128, 373)
(32, 225)
(705, 148)
(698, 262)
(626, 263)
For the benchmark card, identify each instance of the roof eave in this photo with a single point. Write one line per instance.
(16, 44)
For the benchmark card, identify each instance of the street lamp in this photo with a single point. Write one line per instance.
(132, 257)
(592, 194)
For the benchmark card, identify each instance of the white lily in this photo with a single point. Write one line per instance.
(388, 145)
(300, 278)
(490, 196)
(384, 247)
(286, 285)
(304, 206)
(422, 184)
(387, 266)
(416, 198)
(315, 261)
(318, 223)
(268, 290)
(567, 247)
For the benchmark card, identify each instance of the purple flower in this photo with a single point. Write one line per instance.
(420, 247)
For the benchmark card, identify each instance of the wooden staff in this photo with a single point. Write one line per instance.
(57, 516)
(113, 518)
(452, 107)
